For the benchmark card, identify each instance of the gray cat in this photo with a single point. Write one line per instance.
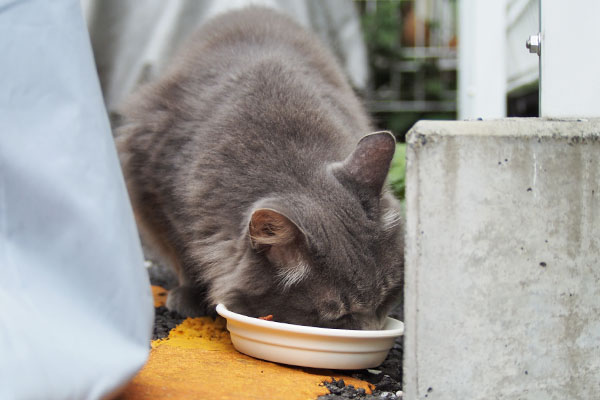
(249, 173)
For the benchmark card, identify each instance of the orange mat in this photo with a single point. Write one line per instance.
(198, 361)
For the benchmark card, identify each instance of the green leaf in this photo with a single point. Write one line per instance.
(397, 174)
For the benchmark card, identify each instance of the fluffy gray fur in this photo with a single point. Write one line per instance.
(251, 174)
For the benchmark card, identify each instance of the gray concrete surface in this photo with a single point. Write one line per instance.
(502, 260)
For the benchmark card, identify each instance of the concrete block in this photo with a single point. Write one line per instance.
(502, 293)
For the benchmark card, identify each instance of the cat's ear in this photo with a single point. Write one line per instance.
(270, 228)
(368, 165)
(279, 239)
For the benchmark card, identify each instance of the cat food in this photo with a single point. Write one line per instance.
(267, 317)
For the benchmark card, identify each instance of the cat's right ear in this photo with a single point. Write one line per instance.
(270, 228)
(279, 239)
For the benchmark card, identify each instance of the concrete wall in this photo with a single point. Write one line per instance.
(502, 296)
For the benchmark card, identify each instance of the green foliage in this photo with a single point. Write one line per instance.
(394, 79)
(401, 122)
(397, 174)
(381, 28)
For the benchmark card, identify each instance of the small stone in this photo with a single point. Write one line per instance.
(399, 394)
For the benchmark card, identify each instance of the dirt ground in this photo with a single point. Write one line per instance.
(387, 378)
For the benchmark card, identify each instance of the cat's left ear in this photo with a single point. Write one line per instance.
(367, 166)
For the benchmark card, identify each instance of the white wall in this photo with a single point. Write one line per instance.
(569, 63)
(570, 58)
(522, 20)
(481, 67)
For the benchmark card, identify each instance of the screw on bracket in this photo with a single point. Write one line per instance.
(534, 44)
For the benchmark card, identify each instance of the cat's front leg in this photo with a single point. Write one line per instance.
(189, 301)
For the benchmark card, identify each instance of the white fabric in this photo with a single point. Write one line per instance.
(75, 302)
(134, 40)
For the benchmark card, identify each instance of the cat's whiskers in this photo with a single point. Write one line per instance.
(390, 219)
(290, 276)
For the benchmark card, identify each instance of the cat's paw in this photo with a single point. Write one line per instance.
(187, 301)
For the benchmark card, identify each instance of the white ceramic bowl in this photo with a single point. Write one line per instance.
(309, 346)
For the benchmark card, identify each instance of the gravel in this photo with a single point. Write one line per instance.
(387, 379)
(164, 321)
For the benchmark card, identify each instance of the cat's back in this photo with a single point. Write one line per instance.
(251, 96)
(254, 54)
(240, 39)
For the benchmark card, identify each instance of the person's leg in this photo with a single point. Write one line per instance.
(75, 302)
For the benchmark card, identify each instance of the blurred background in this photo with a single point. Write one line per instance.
(412, 58)
(413, 55)
(447, 59)
(408, 59)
